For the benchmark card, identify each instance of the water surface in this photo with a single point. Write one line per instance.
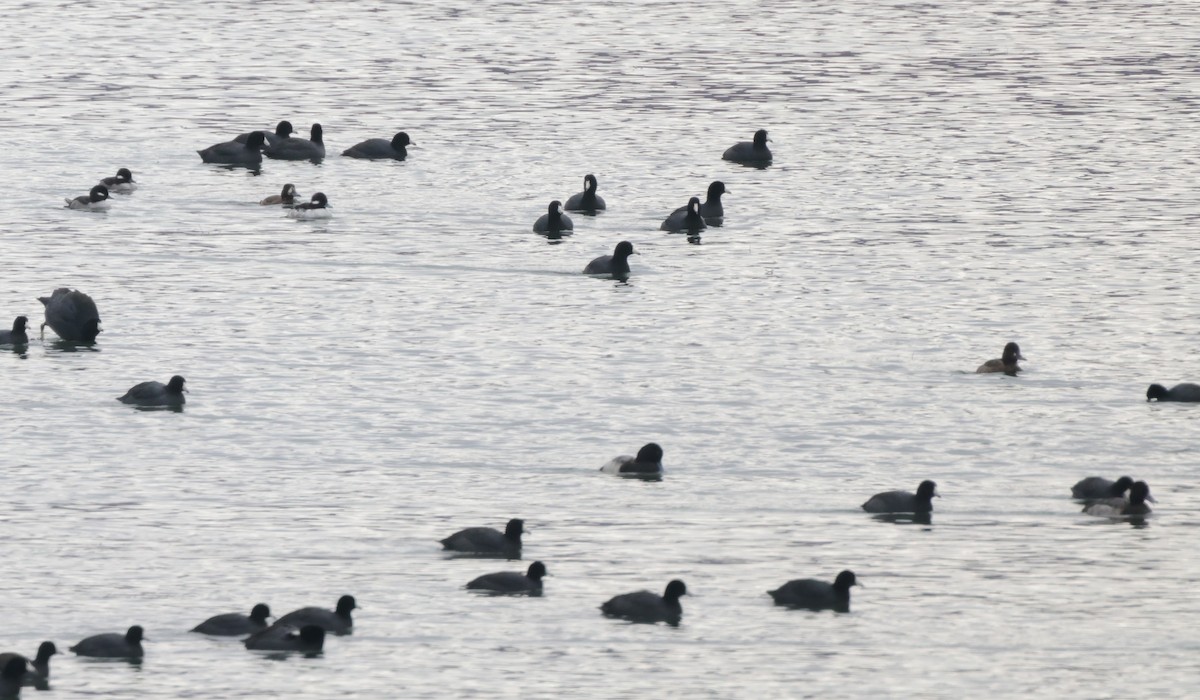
(947, 178)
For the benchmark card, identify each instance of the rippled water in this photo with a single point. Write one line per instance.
(948, 177)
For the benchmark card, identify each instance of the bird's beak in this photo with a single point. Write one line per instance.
(1151, 498)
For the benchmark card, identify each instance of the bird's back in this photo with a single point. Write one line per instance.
(811, 594)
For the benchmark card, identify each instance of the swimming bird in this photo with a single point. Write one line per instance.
(236, 153)
(489, 541)
(316, 208)
(753, 152)
(95, 200)
(121, 182)
(287, 197)
(72, 315)
(1099, 487)
(12, 677)
(586, 201)
(1006, 364)
(647, 462)
(903, 501)
(38, 673)
(336, 621)
(18, 335)
(512, 582)
(231, 624)
(381, 149)
(811, 594)
(1139, 493)
(644, 606)
(293, 148)
(156, 393)
(616, 264)
(711, 208)
(1180, 392)
(554, 220)
(112, 645)
(282, 130)
(686, 220)
(309, 639)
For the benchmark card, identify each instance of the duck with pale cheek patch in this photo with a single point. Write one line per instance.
(1139, 493)
(316, 208)
(287, 197)
(121, 183)
(1097, 489)
(95, 200)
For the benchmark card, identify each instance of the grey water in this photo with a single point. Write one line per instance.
(947, 177)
